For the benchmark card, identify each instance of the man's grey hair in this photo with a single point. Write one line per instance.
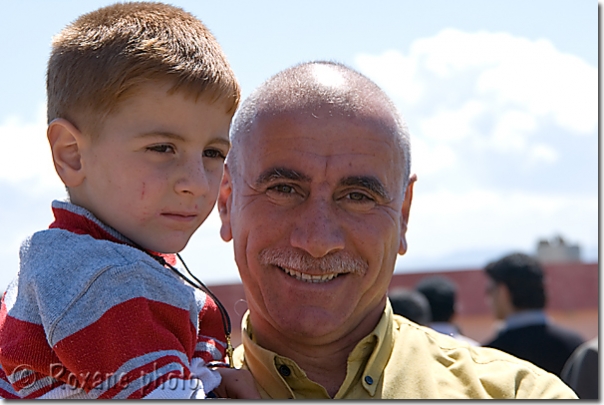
(299, 87)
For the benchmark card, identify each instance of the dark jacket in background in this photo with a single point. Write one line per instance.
(581, 370)
(546, 345)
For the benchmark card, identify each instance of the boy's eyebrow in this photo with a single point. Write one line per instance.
(277, 173)
(172, 135)
(370, 183)
(163, 134)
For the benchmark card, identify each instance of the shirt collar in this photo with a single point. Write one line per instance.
(371, 354)
(78, 220)
(525, 318)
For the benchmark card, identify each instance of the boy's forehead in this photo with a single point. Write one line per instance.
(144, 105)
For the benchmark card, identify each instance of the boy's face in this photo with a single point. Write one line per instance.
(154, 170)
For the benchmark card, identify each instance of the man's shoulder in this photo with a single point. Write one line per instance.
(444, 367)
(533, 334)
(510, 336)
(565, 333)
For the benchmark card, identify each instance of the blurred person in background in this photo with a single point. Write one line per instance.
(410, 304)
(441, 294)
(516, 294)
(581, 370)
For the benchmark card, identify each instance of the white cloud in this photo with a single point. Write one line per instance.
(453, 221)
(476, 100)
(429, 158)
(28, 163)
(510, 133)
(546, 82)
(543, 153)
(397, 70)
(452, 124)
(492, 91)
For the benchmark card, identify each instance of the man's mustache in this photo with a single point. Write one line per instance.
(298, 260)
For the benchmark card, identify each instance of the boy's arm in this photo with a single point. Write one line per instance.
(139, 347)
(211, 336)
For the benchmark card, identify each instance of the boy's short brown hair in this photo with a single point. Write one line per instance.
(102, 57)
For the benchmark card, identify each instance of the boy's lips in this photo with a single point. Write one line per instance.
(180, 216)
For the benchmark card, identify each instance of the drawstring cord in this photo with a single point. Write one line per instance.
(226, 321)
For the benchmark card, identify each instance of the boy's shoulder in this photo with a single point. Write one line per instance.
(65, 275)
(53, 251)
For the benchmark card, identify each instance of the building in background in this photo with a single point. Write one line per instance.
(557, 251)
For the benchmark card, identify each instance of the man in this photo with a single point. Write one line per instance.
(441, 294)
(516, 293)
(316, 197)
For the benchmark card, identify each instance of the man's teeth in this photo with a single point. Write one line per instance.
(308, 278)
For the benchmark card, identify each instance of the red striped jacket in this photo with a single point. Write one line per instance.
(91, 316)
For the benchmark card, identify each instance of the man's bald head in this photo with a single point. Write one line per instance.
(319, 86)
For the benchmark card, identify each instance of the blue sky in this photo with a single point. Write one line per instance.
(500, 96)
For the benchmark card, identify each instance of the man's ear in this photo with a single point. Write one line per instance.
(65, 144)
(224, 204)
(405, 214)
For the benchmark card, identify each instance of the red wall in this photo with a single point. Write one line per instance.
(572, 291)
(569, 286)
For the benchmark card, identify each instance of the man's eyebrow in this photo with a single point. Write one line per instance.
(278, 173)
(368, 182)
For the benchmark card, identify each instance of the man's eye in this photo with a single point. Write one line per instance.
(213, 153)
(161, 148)
(283, 189)
(358, 197)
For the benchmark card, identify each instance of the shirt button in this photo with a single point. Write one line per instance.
(284, 370)
(368, 380)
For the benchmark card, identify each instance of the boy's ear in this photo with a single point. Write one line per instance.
(224, 204)
(405, 214)
(65, 144)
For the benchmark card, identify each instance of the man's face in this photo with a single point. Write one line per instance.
(498, 299)
(317, 218)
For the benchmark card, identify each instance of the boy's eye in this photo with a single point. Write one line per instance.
(163, 148)
(214, 153)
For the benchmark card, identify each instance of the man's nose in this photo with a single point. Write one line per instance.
(317, 229)
(192, 177)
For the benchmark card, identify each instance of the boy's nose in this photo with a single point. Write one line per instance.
(193, 178)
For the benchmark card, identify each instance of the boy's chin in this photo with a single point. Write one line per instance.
(164, 248)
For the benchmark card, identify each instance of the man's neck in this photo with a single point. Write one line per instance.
(323, 359)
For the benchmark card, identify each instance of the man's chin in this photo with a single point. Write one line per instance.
(309, 326)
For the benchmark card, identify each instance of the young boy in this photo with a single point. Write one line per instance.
(140, 99)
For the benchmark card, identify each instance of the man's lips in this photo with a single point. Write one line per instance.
(308, 278)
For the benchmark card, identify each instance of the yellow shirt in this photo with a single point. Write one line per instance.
(402, 360)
